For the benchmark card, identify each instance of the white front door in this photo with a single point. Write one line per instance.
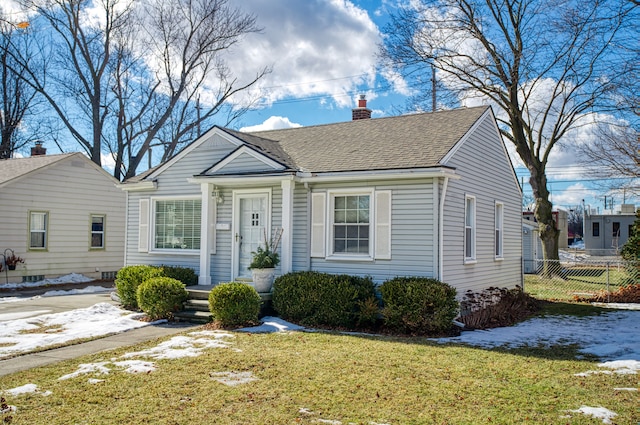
(251, 221)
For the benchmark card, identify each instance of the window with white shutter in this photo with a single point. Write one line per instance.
(143, 226)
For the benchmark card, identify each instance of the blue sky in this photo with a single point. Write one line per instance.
(323, 55)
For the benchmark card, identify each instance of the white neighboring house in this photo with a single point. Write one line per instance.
(62, 214)
(431, 195)
(606, 234)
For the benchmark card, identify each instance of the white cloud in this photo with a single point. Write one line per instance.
(313, 48)
(572, 195)
(108, 162)
(272, 123)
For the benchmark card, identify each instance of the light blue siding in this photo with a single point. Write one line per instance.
(244, 163)
(486, 173)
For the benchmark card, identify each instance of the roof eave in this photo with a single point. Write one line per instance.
(139, 186)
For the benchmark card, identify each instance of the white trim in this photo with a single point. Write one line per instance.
(309, 178)
(242, 151)
(196, 143)
(144, 217)
(473, 258)
(318, 222)
(235, 214)
(331, 194)
(207, 233)
(152, 226)
(500, 255)
(139, 186)
(288, 187)
(440, 222)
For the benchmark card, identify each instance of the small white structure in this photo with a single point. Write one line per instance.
(531, 247)
(431, 195)
(62, 214)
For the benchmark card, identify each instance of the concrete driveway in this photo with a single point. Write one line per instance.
(14, 307)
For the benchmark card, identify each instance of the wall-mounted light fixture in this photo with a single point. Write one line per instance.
(217, 195)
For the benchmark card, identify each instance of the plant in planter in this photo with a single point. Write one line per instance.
(12, 261)
(264, 261)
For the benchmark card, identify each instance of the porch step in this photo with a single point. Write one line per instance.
(196, 308)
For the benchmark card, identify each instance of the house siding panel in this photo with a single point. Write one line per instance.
(486, 174)
(245, 163)
(70, 191)
(412, 234)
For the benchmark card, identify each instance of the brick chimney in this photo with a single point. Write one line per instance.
(38, 149)
(361, 112)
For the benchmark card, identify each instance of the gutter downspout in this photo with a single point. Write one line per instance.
(441, 230)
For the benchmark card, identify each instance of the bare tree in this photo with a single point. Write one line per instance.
(16, 97)
(186, 40)
(542, 64)
(124, 76)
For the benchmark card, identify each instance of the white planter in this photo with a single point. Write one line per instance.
(263, 279)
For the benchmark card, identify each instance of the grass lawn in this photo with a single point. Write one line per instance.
(578, 283)
(304, 378)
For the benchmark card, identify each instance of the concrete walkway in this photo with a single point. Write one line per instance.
(132, 337)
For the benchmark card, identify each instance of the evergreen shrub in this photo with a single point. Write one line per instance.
(186, 275)
(129, 278)
(418, 305)
(234, 304)
(314, 298)
(160, 297)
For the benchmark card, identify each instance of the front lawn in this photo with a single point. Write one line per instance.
(304, 378)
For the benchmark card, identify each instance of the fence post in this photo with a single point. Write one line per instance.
(608, 290)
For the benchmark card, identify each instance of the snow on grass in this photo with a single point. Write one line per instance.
(618, 367)
(610, 336)
(22, 335)
(272, 324)
(233, 378)
(70, 278)
(597, 412)
(185, 346)
(26, 389)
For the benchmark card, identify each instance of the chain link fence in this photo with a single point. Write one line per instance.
(580, 278)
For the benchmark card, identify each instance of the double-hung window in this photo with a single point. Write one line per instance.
(470, 228)
(97, 231)
(38, 227)
(177, 224)
(351, 224)
(499, 234)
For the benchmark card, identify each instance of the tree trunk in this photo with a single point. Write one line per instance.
(548, 231)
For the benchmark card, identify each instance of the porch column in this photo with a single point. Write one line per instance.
(207, 219)
(287, 226)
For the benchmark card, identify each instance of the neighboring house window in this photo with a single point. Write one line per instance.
(177, 224)
(470, 228)
(616, 229)
(351, 225)
(595, 229)
(499, 230)
(97, 231)
(38, 224)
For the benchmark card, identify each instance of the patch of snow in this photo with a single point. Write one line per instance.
(610, 336)
(136, 366)
(233, 378)
(97, 320)
(25, 389)
(8, 409)
(87, 290)
(597, 412)
(95, 381)
(5, 317)
(272, 324)
(184, 346)
(12, 299)
(625, 389)
(84, 368)
(70, 278)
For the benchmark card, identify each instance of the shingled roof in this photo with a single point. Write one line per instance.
(408, 141)
(12, 169)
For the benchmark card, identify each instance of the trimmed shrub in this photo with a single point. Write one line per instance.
(186, 275)
(129, 278)
(314, 298)
(160, 297)
(234, 304)
(418, 305)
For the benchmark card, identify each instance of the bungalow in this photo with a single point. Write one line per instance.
(430, 194)
(62, 214)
